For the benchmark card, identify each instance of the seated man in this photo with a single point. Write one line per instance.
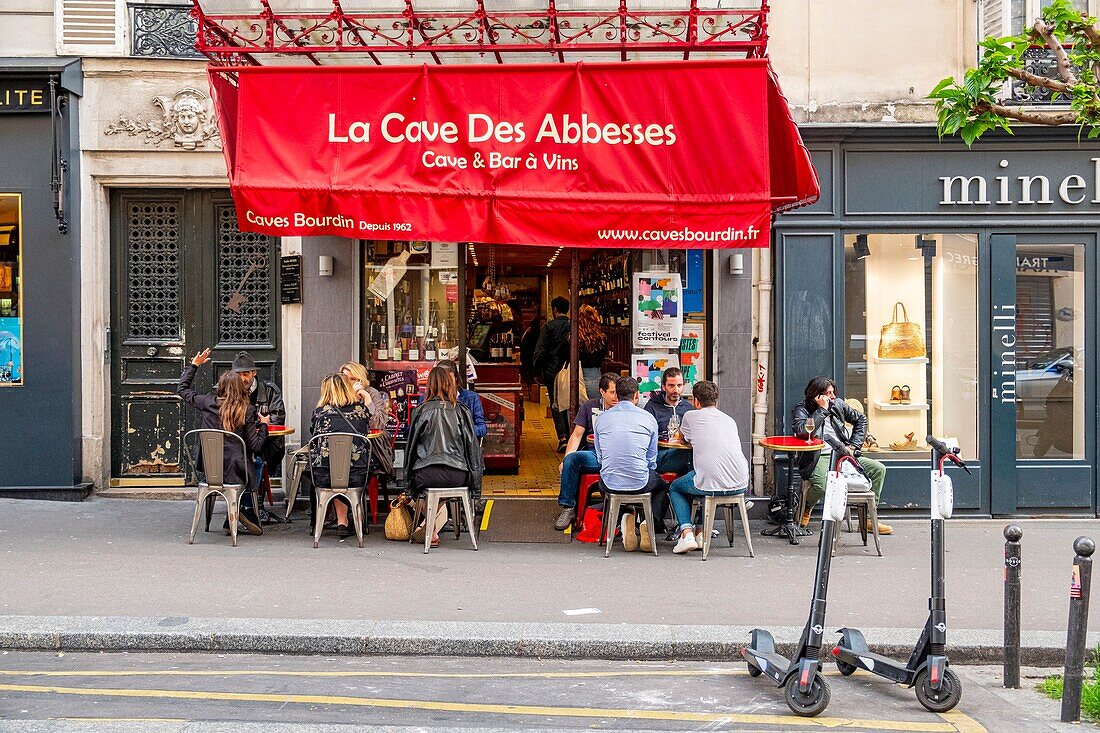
(831, 417)
(663, 404)
(625, 439)
(579, 455)
(720, 463)
(469, 398)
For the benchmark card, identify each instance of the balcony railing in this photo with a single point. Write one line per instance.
(1039, 61)
(163, 31)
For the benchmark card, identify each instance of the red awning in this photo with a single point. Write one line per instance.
(694, 154)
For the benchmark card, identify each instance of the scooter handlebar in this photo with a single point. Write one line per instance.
(940, 446)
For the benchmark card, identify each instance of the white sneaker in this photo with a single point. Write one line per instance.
(630, 536)
(686, 543)
(698, 540)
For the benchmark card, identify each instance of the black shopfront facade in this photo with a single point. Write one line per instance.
(40, 355)
(992, 252)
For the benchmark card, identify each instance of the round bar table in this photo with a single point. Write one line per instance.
(791, 446)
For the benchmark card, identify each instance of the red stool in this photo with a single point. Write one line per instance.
(584, 488)
(372, 493)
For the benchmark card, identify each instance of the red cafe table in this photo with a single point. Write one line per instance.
(792, 446)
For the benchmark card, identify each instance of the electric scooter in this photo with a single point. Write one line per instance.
(938, 688)
(807, 691)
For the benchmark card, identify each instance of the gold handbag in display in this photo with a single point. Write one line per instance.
(901, 339)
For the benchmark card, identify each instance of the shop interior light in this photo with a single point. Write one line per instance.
(862, 247)
(7, 235)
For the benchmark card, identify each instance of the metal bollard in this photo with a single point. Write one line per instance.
(1080, 586)
(1012, 606)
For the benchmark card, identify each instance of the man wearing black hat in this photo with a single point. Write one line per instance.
(268, 400)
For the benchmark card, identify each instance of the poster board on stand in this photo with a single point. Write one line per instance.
(657, 310)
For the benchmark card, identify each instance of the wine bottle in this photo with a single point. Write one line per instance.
(383, 351)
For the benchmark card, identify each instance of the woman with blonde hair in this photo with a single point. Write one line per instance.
(340, 411)
(593, 347)
(442, 450)
(230, 409)
(379, 410)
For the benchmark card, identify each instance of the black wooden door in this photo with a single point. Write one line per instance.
(178, 260)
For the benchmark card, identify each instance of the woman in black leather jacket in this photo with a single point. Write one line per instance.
(831, 416)
(443, 450)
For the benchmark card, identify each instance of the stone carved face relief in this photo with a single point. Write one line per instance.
(186, 118)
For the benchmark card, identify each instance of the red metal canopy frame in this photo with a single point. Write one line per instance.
(237, 38)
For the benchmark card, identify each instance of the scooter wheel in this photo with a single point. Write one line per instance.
(943, 699)
(813, 701)
(846, 669)
(754, 671)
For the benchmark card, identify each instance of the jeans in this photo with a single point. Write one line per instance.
(659, 488)
(874, 470)
(591, 381)
(576, 463)
(674, 460)
(680, 494)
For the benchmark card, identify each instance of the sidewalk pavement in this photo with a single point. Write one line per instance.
(119, 575)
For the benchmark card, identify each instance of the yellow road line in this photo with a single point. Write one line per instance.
(497, 709)
(486, 513)
(963, 723)
(367, 673)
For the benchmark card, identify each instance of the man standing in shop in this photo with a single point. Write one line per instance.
(551, 354)
(625, 438)
(580, 457)
(268, 400)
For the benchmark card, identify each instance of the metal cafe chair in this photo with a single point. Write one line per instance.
(340, 448)
(724, 500)
(448, 495)
(299, 461)
(211, 476)
(615, 500)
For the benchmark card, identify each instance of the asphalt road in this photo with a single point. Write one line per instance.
(204, 693)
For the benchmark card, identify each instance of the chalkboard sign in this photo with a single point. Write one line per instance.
(290, 279)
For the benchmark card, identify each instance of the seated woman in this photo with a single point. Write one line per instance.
(830, 416)
(229, 409)
(379, 410)
(339, 411)
(443, 450)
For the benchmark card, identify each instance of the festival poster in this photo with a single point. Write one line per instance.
(647, 369)
(11, 351)
(657, 310)
(691, 354)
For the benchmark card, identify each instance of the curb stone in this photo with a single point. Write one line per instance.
(469, 639)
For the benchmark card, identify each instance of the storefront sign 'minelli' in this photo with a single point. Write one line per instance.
(1004, 343)
(1008, 189)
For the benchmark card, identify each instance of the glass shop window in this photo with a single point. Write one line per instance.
(409, 316)
(11, 290)
(911, 339)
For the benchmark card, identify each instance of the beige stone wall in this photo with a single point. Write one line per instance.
(869, 61)
(27, 28)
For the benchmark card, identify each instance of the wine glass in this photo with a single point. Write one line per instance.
(810, 425)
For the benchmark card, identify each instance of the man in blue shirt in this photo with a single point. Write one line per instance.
(663, 404)
(469, 398)
(625, 439)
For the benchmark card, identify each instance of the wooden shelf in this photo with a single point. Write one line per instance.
(913, 360)
(887, 407)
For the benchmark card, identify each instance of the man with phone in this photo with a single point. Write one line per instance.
(822, 415)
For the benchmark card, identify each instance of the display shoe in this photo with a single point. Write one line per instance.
(905, 399)
(882, 528)
(870, 444)
(895, 394)
(630, 536)
(645, 543)
(910, 443)
(687, 543)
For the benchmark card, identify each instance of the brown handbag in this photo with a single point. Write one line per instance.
(901, 339)
(399, 521)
